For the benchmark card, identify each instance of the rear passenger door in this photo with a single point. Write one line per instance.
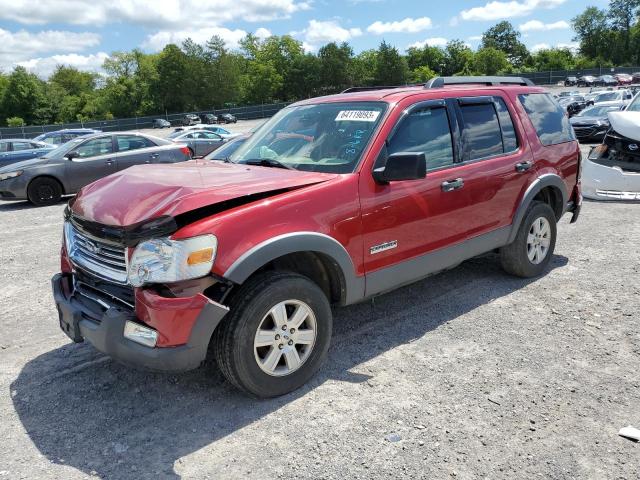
(493, 165)
(134, 150)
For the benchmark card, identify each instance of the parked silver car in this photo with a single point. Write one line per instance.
(199, 142)
(14, 150)
(68, 168)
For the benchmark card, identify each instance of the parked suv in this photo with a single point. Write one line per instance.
(190, 119)
(332, 201)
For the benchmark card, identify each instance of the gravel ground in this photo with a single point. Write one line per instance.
(468, 374)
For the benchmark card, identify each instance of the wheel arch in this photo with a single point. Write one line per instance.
(549, 188)
(312, 254)
(49, 176)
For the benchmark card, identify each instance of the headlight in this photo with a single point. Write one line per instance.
(4, 176)
(163, 260)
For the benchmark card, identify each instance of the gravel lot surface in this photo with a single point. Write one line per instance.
(468, 374)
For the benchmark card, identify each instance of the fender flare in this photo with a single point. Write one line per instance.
(543, 181)
(276, 247)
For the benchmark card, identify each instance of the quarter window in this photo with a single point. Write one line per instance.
(425, 130)
(95, 147)
(509, 138)
(548, 118)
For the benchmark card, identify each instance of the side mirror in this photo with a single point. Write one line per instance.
(402, 166)
(71, 155)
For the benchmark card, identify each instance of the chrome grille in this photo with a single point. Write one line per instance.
(103, 259)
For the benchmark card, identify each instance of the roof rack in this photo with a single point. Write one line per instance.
(439, 82)
(380, 87)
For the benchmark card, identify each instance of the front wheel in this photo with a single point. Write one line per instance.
(531, 251)
(276, 335)
(44, 191)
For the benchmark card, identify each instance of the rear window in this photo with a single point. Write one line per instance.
(548, 118)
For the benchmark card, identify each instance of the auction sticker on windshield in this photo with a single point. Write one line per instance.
(358, 115)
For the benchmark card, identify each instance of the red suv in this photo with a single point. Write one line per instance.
(332, 201)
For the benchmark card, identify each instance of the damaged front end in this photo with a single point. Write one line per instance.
(612, 169)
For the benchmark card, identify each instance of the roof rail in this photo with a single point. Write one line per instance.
(380, 87)
(439, 82)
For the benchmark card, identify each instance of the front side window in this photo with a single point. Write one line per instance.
(548, 118)
(327, 137)
(95, 147)
(425, 130)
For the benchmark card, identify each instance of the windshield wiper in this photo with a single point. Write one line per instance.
(267, 162)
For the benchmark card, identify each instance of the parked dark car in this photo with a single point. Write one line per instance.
(227, 118)
(209, 119)
(160, 123)
(606, 81)
(199, 142)
(63, 136)
(572, 105)
(71, 166)
(586, 81)
(592, 123)
(191, 119)
(570, 81)
(226, 150)
(14, 150)
(635, 77)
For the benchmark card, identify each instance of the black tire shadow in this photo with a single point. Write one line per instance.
(83, 410)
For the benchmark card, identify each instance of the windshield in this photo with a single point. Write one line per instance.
(634, 106)
(64, 148)
(328, 137)
(607, 97)
(596, 111)
(227, 149)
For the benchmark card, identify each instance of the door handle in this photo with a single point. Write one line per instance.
(109, 162)
(523, 166)
(451, 185)
(154, 155)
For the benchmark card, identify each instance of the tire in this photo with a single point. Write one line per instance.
(191, 152)
(44, 191)
(516, 258)
(233, 344)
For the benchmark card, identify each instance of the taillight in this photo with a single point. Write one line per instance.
(186, 151)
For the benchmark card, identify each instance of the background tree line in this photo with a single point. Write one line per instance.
(192, 77)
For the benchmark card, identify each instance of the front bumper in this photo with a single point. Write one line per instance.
(14, 188)
(101, 322)
(600, 182)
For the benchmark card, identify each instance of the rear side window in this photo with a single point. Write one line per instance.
(132, 142)
(548, 118)
(481, 133)
(17, 146)
(425, 130)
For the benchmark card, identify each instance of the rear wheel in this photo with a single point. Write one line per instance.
(44, 191)
(276, 336)
(531, 251)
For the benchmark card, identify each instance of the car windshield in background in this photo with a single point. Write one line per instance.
(177, 134)
(607, 97)
(635, 105)
(596, 111)
(63, 149)
(327, 137)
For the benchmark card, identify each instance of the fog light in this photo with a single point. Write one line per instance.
(140, 334)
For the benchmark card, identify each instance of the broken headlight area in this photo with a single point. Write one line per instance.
(617, 151)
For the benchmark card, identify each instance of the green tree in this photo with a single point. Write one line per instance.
(505, 38)
(490, 61)
(170, 86)
(23, 95)
(72, 81)
(553, 59)
(421, 74)
(261, 83)
(458, 59)
(335, 67)
(623, 15)
(363, 67)
(391, 67)
(593, 33)
(15, 122)
(427, 56)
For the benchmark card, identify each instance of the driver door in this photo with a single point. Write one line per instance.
(95, 159)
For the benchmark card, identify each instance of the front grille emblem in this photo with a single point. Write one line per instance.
(92, 247)
(633, 147)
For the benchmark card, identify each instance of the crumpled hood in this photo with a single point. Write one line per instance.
(147, 191)
(626, 124)
(586, 120)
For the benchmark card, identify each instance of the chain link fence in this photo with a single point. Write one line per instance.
(554, 76)
(250, 112)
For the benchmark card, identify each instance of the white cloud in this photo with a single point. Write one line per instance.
(22, 45)
(318, 33)
(157, 41)
(160, 14)
(432, 42)
(540, 46)
(44, 67)
(496, 10)
(573, 46)
(408, 25)
(537, 25)
(475, 38)
(263, 33)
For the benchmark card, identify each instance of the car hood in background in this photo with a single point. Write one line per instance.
(626, 124)
(24, 164)
(587, 120)
(148, 191)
